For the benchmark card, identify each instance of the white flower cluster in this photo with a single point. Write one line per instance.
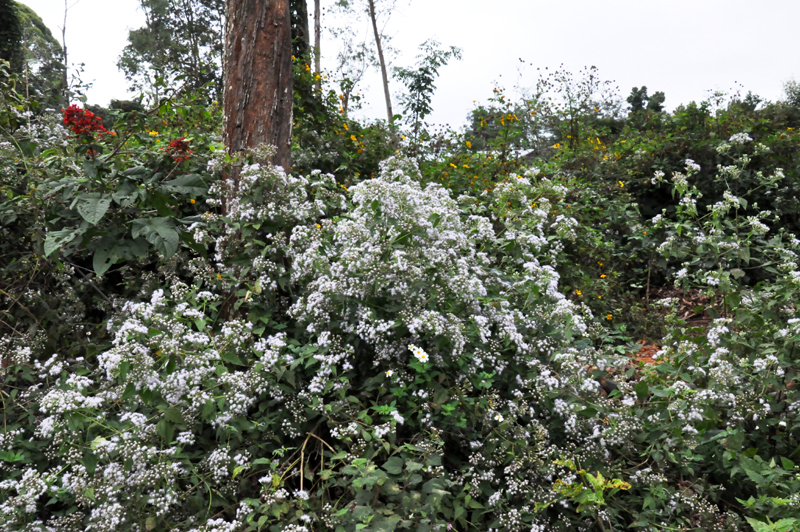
(740, 138)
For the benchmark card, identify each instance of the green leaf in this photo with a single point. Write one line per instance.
(58, 239)
(90, 167)
(89, 462)
(136, 171)
(413, 466)
(93, 206)
(102, 261)
(393, 466)
(641, 389)
(126, 194)
(758, 526)
(160, 232)
(191, 184)
(166, 430)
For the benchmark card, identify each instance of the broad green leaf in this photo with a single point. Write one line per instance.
(126, 194)
(102, 259)
(191, 184)
(93, 206)
(160, 232)
(58, 239)
(393, 466)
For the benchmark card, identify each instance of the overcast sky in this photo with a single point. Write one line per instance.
(682, 47)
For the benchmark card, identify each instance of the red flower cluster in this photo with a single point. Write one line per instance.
(179, 149)
(83, 122)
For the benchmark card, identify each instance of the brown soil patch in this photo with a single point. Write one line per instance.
(646, 353)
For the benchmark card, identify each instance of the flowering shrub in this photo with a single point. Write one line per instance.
(83, 122)
(213, 344)
(179, 150)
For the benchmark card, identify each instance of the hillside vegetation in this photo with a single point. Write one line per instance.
(578, 313)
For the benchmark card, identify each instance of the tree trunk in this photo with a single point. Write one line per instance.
(317, 42)
(373, 16)
(258, 77)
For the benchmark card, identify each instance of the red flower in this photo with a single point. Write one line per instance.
(83, 122)
(179, 149)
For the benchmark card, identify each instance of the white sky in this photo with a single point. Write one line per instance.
(682, 47)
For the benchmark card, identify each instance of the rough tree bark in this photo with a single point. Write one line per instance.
(374, 18)
(258, 77)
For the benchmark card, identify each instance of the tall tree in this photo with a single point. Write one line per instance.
(421, 83)
(375, 10)
(42, 67)
(10, 34)
(180, 38)
(258, 77)
(374, 18)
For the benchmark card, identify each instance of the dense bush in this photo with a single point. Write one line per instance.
(438, 343)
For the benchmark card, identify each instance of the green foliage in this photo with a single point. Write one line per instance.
(419, 82)
(365, 344)
(42, 72)
(10, 34)
(181, 42)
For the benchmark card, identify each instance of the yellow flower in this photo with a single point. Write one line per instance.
(603, 276)
(578, 292)
(621, 184)
(353, 138)
(469, 144)
(345, 126)
(219, 277)
(192, 201)
(608, 316)
(454, 166)
(557, 145)
(599, 263)
(153, 133)
(465, 166)
(318, 226)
